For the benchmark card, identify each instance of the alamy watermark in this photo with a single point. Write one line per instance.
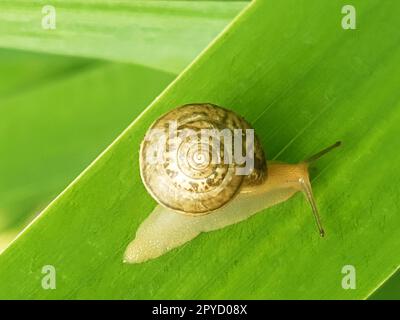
(49, 278)
(349, 20)
(349, 279)
(203, 147)
(49, 17)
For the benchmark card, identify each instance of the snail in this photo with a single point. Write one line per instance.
(191, 162)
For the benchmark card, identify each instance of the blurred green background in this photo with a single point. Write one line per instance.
(57, 114)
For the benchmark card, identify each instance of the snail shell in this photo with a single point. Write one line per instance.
(186, 180)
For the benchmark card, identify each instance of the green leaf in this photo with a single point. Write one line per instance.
(25, 71)
(51, 132)
(165, 35)
(304, 82)
(389, 289)
(21, 71)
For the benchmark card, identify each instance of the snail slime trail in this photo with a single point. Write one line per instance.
(196, 197)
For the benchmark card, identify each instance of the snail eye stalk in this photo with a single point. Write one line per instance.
(306, 185)
(322, 152)
(307, 190)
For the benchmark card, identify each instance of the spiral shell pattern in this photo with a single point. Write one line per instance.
(192, 176)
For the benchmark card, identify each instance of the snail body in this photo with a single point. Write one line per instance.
(185, 211)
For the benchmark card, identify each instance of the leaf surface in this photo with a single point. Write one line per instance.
(166, 35)
(303, 82)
